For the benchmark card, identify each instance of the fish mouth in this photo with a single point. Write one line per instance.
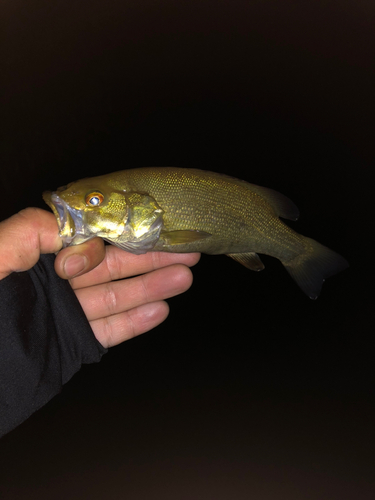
(69, 220)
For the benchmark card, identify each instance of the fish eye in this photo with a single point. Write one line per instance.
(94, 199)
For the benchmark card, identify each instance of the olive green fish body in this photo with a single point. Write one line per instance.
(240, 216)
(188, 210)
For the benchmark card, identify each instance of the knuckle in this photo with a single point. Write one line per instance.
(31, 216)
(107, 332)
(29, 213)
(113, 264)
(130, 326)
(110, 299)
(155, 260)
(144, 288)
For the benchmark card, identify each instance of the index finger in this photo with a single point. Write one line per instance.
(24, 236)
(119, 264)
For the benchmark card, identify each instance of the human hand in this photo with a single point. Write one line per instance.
(116, 310)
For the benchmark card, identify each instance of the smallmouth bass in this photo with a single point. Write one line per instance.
(188, 210)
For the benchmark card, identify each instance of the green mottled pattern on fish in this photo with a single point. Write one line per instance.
(188, 210)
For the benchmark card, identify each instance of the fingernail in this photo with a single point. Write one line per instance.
(74, 265)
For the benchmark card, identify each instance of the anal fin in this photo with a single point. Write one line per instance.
(250, 260)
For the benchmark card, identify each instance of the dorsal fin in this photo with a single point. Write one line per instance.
(283, 206)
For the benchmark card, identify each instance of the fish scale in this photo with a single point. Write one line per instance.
(218, 204)
(190, 210)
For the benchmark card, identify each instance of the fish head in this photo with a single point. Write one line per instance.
(88, 208)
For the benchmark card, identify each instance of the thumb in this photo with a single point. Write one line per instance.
(79, 259)
(32, 232)
(24, 236)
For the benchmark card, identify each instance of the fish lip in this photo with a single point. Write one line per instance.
(68, 219)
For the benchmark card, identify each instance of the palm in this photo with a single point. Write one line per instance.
(124, 295)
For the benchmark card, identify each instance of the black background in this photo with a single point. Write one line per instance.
(249, 389)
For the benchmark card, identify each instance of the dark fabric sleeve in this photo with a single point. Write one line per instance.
(44, 339)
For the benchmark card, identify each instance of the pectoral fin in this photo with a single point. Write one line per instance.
(183, 236)
(250, 260)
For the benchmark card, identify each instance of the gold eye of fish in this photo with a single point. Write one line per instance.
(94, 199)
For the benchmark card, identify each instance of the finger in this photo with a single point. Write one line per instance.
(24, 236)
(115, 329)
(118, 296)
(119, 264)
(79, 259)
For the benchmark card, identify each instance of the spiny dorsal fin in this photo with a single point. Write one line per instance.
(250, 260)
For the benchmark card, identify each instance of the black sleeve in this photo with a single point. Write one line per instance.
(44, 339)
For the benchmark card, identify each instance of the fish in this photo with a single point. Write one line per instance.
(182, 210)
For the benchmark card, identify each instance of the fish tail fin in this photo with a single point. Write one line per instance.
(312, 267)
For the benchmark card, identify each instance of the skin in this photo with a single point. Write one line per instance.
(117, 310)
